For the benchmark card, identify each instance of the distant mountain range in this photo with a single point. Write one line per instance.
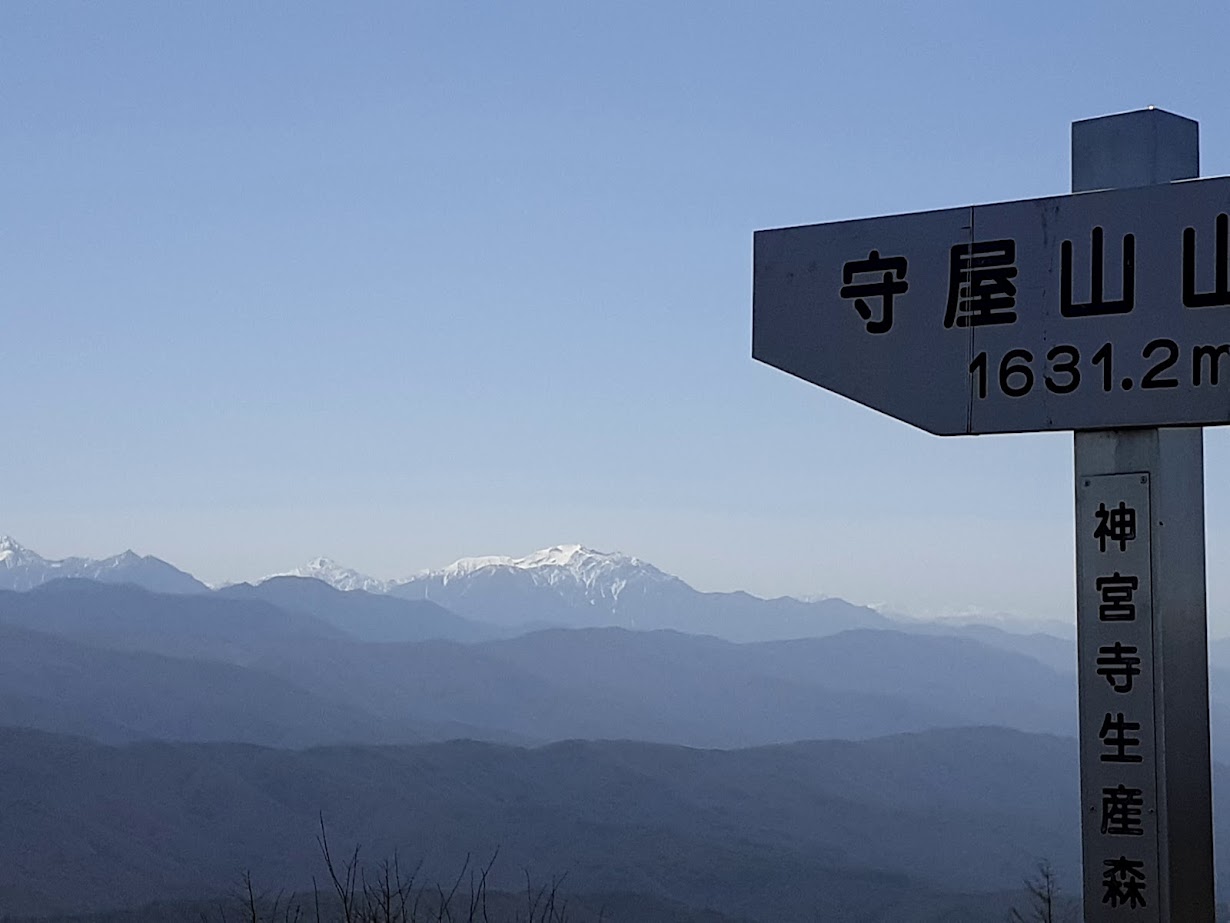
(23, 569)
(933, 826)
(562, 586)
(567, 586)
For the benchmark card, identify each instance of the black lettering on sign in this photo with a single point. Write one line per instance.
(1220, 296)
(1016, 378)
(1151, 379)
(980, 287)
(876, 278)
(1123, 883)
(1119, 663)
(1118, 593)
(1210, 357)
(978, 368)
(1097, 305)
(1121, 811)
(1068, 367)
(1116, 739)
(1117, 524)
(1105, 358)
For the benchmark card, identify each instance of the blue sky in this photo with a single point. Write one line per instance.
(401, 282)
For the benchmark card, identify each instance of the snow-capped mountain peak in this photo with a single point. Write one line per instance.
(598, 575)
(579, 587)
(571, 574)
(14, 554)
(559, 563)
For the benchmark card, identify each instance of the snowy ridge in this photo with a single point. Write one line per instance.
(560, 579)
(22, 569)
(577, 587)
(561, 564)
(13, 554)
(572, 570)
(337, 576)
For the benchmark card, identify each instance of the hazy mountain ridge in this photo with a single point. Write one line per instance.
(1057, 652)
(55, 684)
(585, 683)
(128, 617)
(363, 615)
(662, 686)
(531, 699)
(867, 677)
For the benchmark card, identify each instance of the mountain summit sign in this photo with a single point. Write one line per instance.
(1089, 311)
(1105, 312)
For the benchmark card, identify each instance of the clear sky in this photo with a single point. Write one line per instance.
(401, 282)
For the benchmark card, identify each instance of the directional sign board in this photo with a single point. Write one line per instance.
(1091, 311)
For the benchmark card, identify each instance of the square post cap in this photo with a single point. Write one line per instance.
(1137, 148)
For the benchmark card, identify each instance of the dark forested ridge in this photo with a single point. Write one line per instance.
(772, 833)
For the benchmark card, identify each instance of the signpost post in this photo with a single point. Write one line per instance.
(1161, 473)
(1105, 312)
